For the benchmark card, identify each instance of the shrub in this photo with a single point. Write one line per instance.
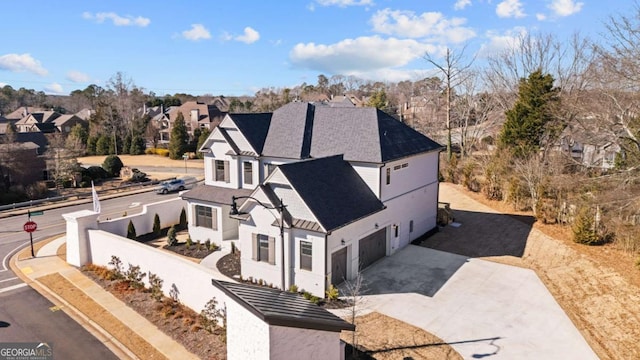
(97, 172)
(189, 242)
(332, 293)
(155, 285)
(112, 165)
(233, 247)
(135, 276)
(207, 244)
(211, 317)
(293, 288)
(307, 295)
(117, 266)
(131, 231)
(584, 228)
(198, 246)
(171, 236)
(183, 219)
(156, 225)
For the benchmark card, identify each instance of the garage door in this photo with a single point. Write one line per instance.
(373, 247)
(339, 266)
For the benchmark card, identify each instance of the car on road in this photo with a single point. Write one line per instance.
(180, 184)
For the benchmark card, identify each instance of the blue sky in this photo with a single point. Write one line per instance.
(238, 47)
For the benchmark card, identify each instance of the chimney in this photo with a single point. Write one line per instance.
(195, 114)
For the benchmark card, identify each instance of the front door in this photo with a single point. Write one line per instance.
(339, 266)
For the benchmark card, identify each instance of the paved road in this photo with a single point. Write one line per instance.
(25, 314)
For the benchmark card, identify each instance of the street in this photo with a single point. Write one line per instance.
(25, 315)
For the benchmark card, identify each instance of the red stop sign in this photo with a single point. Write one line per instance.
(30, 226)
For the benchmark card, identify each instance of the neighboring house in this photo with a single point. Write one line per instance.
(32, 121)
(21, 112)
(342, 212)
(64, 123)
(197, 115)
(25, 152)
(85, 114)
(588, 146)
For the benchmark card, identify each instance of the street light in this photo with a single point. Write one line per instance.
(234, 211)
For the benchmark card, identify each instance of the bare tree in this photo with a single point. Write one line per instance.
(354, 290)
(454, 72)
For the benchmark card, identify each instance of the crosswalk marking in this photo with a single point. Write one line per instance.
(9, 288)
(9, 279)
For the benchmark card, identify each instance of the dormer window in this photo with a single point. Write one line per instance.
(222, 171)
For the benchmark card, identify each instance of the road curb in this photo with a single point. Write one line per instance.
(115, 346)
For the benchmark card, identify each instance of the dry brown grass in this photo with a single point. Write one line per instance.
(74, 296)
(385, 338)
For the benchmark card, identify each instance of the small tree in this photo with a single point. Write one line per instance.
(155, 286)
(112, 164)
(183, 219)
(179, 137)
(584, 228)
(201, 139)
(131, 231)
(156, 225)
(171, 236)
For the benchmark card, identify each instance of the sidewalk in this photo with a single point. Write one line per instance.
(47, 262)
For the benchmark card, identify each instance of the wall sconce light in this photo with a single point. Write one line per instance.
(342, 242)
(375, 225)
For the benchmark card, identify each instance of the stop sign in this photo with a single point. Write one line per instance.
(30, 226)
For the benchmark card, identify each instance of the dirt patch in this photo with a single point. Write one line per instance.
(382, 337)
(229, 265)
(74, 296)
(143, 160)
(598, 287)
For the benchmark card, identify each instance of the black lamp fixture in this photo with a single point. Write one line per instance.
(234, 212)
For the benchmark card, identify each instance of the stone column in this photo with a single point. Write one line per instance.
(78, 224)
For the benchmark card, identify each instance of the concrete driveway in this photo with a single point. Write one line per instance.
(481, 308)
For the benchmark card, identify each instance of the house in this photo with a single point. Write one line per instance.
(589, 146)
(21, 112)
(64, 123)
(21, 152)
(319, 192)
(197, 115)
(33, 121)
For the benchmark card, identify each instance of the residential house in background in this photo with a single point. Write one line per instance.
(26, 148)
(589, 146)
(321, 192)
(64, 123)
(196, 115)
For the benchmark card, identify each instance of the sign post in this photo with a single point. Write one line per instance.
(30, 227)
(185, 157)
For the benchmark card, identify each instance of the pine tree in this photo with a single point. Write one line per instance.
(203, 137)
(179, 136)
(528, 120)
(131, 231)
(156, 225)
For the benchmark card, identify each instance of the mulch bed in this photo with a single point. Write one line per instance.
(229, 265)
(193, 251)
(173, 318)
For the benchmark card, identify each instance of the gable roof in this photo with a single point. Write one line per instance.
(62, 119)
(254, 127)
(21, 112)
(332, 190)
(289, 134)
(282, 308)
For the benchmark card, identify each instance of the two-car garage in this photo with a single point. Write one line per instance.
(370, 248)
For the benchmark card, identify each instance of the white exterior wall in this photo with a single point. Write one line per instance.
(261, 221)
(271, 160)
(293, 343)
(312, 281)
(227, 228)
(421, 170)
(370, 173)
(191, 280)
(247, 335)
(255, 176)
(219, 149)
(168, 211)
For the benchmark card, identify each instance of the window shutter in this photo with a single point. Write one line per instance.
(254, 247)
(272, 250)
(226, 171)
(214, 219)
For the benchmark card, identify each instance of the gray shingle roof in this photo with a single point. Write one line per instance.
(215, 194)
(303, 130)
(254, 127)
(281, 308)
(332, 190)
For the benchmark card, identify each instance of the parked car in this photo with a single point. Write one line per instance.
(176, 185)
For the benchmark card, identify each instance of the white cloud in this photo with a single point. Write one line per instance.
(499, 42)
(510, 8)
(345, 3)
(54, 88)
(360, 55)
(22, 63)
(197, 32)
(249, 36)
(565, 7)
(428, 24)
(116, 19)
(77, 76)
(541, 16)
(461, 4)
(2, 84)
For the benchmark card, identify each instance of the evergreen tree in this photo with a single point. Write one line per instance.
(529, 120)
(156, 225)
(203, 137)
(179, 137)
(378, 100)
(137, 145)
(131, 231)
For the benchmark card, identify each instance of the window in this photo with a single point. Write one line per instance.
(306, 252)
(411, 226)
(264, 248)
(395, 230)
(248, 172)
(206, 217)
(222, 170)
(270, 168)
(388, 176)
